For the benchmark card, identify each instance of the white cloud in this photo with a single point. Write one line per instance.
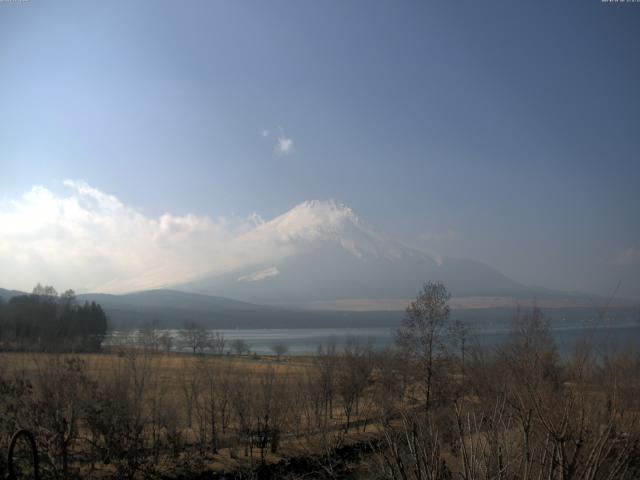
(89, 240)
(630, 256)
(284, 145)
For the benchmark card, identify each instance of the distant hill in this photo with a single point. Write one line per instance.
(164, 298)
(171, 308)
(6, 295)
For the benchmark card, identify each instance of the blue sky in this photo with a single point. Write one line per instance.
(500, 131)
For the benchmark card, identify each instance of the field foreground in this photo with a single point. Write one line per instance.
(507, 413)
(185, 414)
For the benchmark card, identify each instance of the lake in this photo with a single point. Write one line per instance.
(305, 341)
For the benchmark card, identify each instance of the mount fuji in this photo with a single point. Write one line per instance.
(321, 252)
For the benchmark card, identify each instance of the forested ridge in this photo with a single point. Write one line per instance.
(46, 320)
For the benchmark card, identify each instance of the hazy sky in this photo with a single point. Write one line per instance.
(498, 131)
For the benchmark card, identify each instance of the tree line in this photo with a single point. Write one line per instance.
(192, 338)
(46, 320)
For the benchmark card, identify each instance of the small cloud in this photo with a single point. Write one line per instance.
(630, 256)
(260, 275)
(284, 145)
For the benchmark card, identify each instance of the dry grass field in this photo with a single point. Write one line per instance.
(179, 398)
(517, 411)
(168, 367)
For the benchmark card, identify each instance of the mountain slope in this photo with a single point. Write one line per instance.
(325, 252)
(171, 308)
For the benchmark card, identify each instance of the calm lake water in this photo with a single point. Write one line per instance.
(302, 341)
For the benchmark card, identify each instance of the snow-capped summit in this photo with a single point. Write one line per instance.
(317, 212)
(313, 218)
(319, 223)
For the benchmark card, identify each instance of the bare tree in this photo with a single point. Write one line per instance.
(62, 387)
(460, 337)
(412, 450)
(421, 333)
(391, 383)
(194, 337)
(165, 341)
(218, 343)
(149, 336)
(209, 371)
(239, 346)
(269, 405)
(326, 359)
(190, 384)
(45, 291)
(353, 377)
(116, 414)
(279, 349)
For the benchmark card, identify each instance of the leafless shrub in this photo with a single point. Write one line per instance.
(279, 349)
(354, 374)
(239, 346)
(62, 390)
(412, 450)
(218, 343)
(116, 416)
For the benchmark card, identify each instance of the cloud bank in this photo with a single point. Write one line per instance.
(91, 241)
